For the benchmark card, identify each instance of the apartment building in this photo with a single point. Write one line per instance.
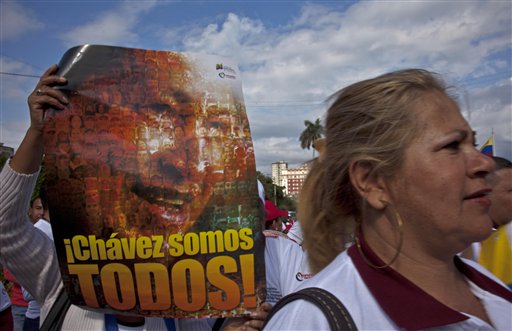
(289, 178)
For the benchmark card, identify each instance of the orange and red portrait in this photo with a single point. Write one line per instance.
(153, 142)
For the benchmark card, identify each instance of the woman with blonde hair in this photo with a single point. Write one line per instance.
(400, 183)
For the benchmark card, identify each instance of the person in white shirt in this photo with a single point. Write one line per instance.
(286, 265)
(400, 178)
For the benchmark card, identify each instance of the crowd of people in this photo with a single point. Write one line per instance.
(395, 196)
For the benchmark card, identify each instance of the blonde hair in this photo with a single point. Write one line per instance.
(371, 121)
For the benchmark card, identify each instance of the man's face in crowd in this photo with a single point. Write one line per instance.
(501, 196)
(36, 211)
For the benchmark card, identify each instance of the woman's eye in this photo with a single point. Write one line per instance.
(453, 145)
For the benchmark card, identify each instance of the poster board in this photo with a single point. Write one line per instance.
(151, 181)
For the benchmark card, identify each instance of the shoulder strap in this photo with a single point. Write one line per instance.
(337, 315)
(169, 324)
(218, 324)
(56, 315)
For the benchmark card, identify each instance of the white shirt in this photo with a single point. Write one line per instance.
(90, 320)
(45, 226)
(385, 300)
(286, 265)
(5, 302)
(295, 233)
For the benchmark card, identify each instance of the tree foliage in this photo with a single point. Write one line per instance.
(276, 193)
(312, 132)
(3, 159)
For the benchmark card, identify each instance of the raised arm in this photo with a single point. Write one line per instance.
(29, 155)
(25, 251)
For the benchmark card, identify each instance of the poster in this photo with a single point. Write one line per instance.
(151, 181)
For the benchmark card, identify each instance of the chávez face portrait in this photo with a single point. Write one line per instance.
(149, 141)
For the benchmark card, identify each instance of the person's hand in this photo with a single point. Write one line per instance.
(258, 317)
(252, 323)
(45, 97)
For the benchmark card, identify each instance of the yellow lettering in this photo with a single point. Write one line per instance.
(144, 247)
(211, 242)
(229, 295)
(191, 243)
(231, 240)
(78, 243)
(157, 250)
(246, 240)
(194, 272)
(153, 286)
(175, 245)
(129, 247)
(119, 293)
(84, 272)
(97, 247)
(69, 251)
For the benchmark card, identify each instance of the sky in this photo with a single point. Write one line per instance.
(292, 55)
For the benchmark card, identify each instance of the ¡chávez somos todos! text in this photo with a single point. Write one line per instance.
(154, 280)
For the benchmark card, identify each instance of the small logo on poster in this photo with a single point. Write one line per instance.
(227, 72)
(221, 66)
(224, 75)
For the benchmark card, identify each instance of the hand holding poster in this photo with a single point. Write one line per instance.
(151, 180)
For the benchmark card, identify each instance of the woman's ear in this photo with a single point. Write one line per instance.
(369, 184)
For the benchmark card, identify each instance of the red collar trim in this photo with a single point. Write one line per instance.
(406, 304)
(482, 280)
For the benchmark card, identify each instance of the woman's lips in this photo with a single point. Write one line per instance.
(481, 197)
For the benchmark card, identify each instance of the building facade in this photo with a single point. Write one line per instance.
(289, 178)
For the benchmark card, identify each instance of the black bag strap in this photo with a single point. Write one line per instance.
(337, 315)
(56, 315)
(218, 324)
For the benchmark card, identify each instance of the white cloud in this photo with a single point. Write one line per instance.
(324, 50)
(13, 132)
(114, 27)
(492, 112)
(289, 68)
(237, 37)
(14, 117)
(16, 21)
(15, 87)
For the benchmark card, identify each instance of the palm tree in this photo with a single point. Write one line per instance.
(312, 132)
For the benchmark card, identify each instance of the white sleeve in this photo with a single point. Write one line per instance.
(272, 270)
(5, 302)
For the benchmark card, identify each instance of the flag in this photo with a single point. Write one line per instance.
(496, 254)
(488, 147)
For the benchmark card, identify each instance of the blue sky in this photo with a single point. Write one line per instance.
(292, 54)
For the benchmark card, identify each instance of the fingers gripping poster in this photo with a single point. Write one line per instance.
(151, 180)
